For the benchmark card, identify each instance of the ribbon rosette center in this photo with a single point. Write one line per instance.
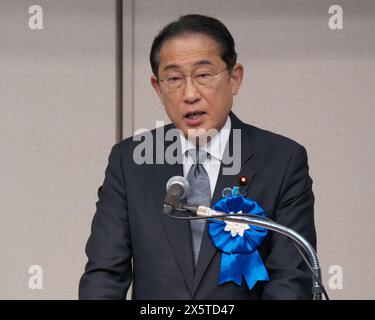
(235, 227)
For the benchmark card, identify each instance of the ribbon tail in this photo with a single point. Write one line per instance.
(230, 268)
(253, 268)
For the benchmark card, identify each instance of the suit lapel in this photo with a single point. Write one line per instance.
(208, 250)
(177, 231)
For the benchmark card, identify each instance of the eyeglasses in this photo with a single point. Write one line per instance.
(202, 78)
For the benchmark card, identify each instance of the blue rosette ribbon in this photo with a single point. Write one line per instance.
(238, 243)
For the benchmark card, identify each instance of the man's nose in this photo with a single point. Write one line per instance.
(191, 93)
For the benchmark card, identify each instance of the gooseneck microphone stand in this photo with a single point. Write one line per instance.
(197, 212)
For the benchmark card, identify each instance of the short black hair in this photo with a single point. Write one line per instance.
(195, 24)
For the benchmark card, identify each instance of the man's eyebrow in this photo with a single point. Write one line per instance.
(171, 66)
(202, 62)
(198, 63)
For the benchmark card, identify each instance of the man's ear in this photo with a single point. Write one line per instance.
(236, 77)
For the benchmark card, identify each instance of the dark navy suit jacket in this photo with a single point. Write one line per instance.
(132, 241)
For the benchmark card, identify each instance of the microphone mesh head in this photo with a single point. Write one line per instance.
(182, 182)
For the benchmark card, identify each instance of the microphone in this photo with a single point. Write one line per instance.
(177, 189)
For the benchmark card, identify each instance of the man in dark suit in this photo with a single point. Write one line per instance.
(195, 75)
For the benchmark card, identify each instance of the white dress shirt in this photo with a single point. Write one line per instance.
(215, 147)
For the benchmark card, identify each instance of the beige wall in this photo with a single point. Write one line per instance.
(306, 82)
(58, 109)
(59, 101)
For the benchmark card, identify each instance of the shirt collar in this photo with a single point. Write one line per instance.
(215, 146)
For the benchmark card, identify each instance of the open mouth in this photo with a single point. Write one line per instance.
(195, 115)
